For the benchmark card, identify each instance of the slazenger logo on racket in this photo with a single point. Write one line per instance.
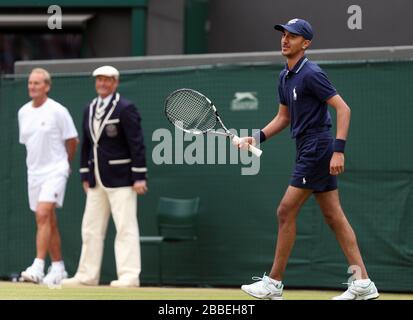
(192, 112)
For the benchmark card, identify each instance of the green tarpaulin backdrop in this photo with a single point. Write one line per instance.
(237, 224)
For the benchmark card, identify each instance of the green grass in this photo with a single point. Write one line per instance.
(27, 291)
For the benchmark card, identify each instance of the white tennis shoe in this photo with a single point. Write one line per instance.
(32, 274)
(264, 288)
(55, 276)
(357, 291)
(124, 283)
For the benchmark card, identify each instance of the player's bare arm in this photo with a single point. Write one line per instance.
(71, 145)
(276, 125)
(343, 123)
(279, 123)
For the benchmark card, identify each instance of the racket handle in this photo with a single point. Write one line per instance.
(254, 150)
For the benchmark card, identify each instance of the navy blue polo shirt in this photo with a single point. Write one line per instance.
(304, 90)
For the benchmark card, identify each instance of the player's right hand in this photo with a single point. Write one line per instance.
(243, 143)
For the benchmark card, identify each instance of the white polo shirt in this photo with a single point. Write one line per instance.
(44, 130)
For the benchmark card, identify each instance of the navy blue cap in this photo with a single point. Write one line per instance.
(297, 26)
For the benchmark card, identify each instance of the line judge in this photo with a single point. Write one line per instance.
(113, 171)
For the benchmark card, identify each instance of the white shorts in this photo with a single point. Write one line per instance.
(50, 188)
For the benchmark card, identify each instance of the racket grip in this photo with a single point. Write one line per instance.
(254, 150)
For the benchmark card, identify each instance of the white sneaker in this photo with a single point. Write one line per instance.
(76, 282)
(264, 288)
(32, 274)
(124, 283)
(54, 276)
(358, 292)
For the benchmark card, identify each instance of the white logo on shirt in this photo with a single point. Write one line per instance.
(294, 95)
(304, 181)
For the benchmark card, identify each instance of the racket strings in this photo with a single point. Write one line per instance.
(191, 111)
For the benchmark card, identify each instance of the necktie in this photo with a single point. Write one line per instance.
(100, 111)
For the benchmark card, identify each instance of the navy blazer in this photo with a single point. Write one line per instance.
(117, 149)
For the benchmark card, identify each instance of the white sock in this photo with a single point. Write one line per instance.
(38, 263)
(362, 282)
(58, 265)
(275, 281)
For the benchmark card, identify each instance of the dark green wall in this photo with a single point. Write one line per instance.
(237, 224)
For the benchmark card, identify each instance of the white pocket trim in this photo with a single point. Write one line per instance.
(113, 121)
(139, 170)
(120, 161)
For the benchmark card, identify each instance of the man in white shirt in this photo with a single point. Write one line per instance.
(49, 134)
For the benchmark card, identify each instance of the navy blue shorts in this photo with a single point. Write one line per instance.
(312, 163)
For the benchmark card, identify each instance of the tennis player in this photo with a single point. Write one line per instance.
(49, 134)
(304, 93)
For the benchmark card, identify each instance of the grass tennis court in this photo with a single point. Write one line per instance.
(27, 291)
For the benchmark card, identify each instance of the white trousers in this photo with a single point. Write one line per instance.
(100, 202)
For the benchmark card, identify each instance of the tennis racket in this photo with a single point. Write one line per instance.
(192, 112)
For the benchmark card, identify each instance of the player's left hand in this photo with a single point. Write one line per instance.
(337, 163)
(140, 187)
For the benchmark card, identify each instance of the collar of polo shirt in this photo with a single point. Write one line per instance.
(298, 66)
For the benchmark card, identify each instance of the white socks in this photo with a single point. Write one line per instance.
(58, 265)
(362, 282)
(276, 282)
(38, 264)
